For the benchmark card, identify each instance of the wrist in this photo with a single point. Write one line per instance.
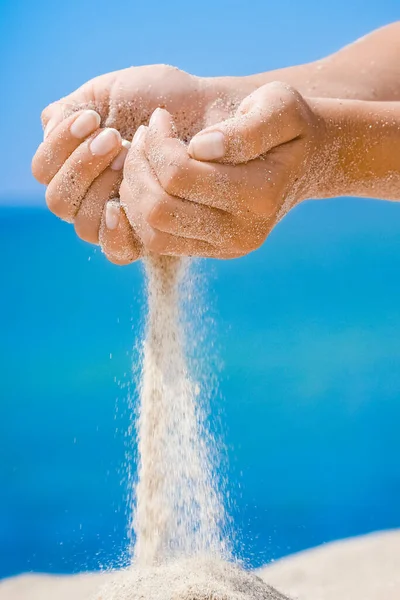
(297, 76)
(360, 148)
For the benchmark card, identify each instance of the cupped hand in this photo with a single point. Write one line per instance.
(81, 177)
(127, 98)
(222, 195)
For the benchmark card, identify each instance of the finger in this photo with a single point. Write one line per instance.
(159, 242)
(155, 214)
(53, 115)
(187, 219)
(147, 204)
(106, 186)
(272, 115)
(237, 189)
(56, 112)
(178, 174)
(137, 190)
(117, 239)
(70, 184)
(61, 142)
(153, 240)
(171, 214)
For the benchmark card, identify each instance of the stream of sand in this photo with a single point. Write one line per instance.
(182, 551)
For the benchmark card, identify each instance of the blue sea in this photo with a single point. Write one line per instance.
(308, 333)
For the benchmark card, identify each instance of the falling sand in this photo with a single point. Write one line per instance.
(179, 511)
(182, 550)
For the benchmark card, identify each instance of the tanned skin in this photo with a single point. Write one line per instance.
(221, 160)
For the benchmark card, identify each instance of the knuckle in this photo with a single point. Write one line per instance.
(52, 200)
(170, 177)
(279, 86)
(296, 107)
(155, 242)
(86, 232)
(56, 203)
(292, 102)
(284, 89)
(38, 171)
(157, 213)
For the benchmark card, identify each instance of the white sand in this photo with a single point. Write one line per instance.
(179, 510)
(364, 568)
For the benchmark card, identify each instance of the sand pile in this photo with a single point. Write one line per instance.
(364, 568)
(188, 579)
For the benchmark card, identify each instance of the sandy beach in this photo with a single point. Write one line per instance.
(363, 568)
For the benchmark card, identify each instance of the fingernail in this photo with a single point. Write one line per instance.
(154, 116)
(49, 127)
(112, 214)
(138, 135)
(105, 142)
(85, 124)
(207, 146)
(118, 162)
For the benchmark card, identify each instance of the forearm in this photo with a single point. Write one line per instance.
(361, 152)
(367, 69)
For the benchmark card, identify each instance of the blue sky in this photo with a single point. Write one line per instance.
(47, 49)
(308, 326)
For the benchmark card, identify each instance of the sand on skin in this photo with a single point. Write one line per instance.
(363, 568)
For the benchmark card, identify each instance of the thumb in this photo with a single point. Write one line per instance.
(270, 116)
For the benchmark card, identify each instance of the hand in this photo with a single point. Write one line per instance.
(221, 196)
(126, 99)
(80, 180)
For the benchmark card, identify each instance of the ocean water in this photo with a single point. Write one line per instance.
(307, 330)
